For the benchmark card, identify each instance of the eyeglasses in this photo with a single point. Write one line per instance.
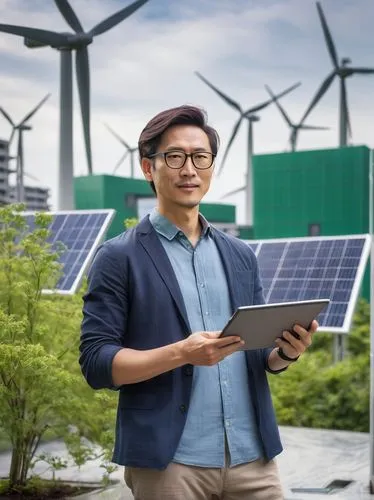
(202, 160)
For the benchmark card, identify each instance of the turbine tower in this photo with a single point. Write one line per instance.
(251, 116)
(21, 127)
(341, 70)
(66, 43)
(295, 127)
(129, 151)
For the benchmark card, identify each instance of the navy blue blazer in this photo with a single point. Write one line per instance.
(133, 300)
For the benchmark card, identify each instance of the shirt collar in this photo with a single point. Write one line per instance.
(167, 229)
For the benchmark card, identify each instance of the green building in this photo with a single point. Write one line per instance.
(312, 193)
(133, 198)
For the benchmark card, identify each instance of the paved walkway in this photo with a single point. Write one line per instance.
(311, 458)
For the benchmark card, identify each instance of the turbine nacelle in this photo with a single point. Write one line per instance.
(252, 118)
(23, 126)
(33, 44)
(73, 41)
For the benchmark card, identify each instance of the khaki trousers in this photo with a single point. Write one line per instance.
(258, 480)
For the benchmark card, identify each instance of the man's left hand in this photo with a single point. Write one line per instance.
(294, 344)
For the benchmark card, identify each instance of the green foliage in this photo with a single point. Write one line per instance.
(130, 222)
(314, 392)
(41, 386)
(359, 338)
(55, 463)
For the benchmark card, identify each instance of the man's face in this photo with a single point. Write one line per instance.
(185, 186)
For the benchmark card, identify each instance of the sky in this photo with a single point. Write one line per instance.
(147, 64)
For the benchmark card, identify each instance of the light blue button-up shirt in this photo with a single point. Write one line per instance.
(220, 404)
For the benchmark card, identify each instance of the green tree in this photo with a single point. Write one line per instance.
(41, 386)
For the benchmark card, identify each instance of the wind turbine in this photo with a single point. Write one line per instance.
(129, 151)
(295, 127)
(251, 116)
(341, 70)
(66, 43)
(21, 127)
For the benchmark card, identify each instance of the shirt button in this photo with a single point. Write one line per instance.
(207, 313)
(202, 285)
(227, 423)
(183, 408)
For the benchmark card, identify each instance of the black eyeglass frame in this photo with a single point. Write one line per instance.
(187, 155)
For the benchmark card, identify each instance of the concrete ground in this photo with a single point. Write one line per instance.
(311, 459)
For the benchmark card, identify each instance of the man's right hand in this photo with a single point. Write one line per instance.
(207, 349)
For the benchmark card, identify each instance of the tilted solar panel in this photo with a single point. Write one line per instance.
(253, 246)
(296, 269)
(80, 231)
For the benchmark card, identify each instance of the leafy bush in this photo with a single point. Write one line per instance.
(41, 386)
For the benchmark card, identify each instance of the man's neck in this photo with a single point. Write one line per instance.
(187, 220)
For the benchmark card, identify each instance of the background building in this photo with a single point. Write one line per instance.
(36, 197)
(4, 172)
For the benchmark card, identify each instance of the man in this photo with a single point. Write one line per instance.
(195, 418)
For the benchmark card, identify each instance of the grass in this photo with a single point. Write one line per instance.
(37, 488)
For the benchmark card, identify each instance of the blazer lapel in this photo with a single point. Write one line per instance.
(148, 238)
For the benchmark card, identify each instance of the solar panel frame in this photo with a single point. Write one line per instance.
(348, 317)
(110, 213)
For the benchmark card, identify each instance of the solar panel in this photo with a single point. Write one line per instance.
(253, 246)
(80, 231)
(314, 268)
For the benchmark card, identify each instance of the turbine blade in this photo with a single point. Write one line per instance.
(263, 105)
(235, 191)
(83, 80)
(320, 92)
(116, 18)
(288, 90)
(69, 15)
(12, 136)
(42, 36)
(276, 102)
(7, 116)
(225, 97)
(345, 108)
(118, 137)
(34, 110)
(363, 71)
(231, 140)
(32, 177)
(328, 37)
(120, 161)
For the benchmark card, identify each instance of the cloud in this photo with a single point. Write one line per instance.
(147, 64)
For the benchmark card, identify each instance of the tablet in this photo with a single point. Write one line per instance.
(260, 325)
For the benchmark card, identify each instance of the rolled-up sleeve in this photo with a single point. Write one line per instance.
(104, 316)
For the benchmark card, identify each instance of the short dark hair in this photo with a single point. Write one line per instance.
(151, 135)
